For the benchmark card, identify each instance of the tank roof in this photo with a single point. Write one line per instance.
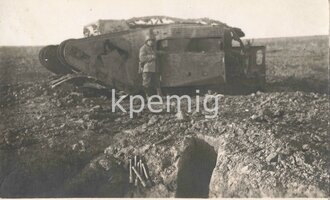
(104, 26)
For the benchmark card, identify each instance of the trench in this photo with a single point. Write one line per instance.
(195, 169)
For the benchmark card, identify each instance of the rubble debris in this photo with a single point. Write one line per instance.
(130, 171)
(140, 174)
(180, 115)
(145, 171)
(284, 147)
(167, 138)
(272, 157)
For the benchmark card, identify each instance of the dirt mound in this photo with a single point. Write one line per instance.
(58, 143)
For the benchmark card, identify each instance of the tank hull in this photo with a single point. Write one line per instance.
(188, 55)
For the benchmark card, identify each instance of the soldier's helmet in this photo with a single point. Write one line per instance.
(148, 37)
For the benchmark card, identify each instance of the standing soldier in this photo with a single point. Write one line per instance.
(147, 66)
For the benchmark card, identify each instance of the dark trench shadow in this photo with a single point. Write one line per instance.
(195, 170)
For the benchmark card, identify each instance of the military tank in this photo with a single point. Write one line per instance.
(198, 53)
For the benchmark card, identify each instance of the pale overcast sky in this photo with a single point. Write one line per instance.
(40, 22)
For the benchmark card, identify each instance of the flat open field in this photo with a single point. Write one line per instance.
(299, 63)
(63, 143)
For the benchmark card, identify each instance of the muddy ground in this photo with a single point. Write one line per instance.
(63, 142)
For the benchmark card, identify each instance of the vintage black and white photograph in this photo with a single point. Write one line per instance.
(164, 99)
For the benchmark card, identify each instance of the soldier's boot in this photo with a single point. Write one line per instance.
(148, 92)
(159, 92)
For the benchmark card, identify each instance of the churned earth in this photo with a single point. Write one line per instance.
(64, 142)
